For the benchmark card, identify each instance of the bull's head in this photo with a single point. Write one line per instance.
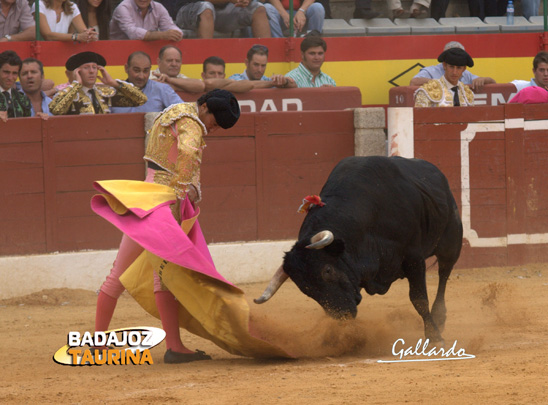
(319, 269)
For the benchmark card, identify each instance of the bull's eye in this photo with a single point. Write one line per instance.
(328, 273)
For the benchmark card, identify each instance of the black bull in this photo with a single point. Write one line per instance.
(382, 218)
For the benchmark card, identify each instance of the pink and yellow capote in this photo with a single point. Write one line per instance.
(209, 305)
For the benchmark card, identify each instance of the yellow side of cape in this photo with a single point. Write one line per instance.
(207, 307)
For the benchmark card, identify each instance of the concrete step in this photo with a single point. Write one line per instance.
(457, 8)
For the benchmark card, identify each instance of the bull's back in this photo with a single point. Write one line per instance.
(357, 175)
(404, 200)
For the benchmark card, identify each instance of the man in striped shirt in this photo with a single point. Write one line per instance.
(308, 73)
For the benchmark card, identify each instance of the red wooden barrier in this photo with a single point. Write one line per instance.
(254, 175)
(495, 159)
(491, 94)
(269, 100)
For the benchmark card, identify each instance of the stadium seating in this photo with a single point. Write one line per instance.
(424, 26)
(380, 26)
(521, 24)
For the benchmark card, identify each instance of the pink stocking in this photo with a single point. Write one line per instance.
(105, 309)
(169, 314)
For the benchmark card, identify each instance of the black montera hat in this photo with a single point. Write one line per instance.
(77, 60)
(456, 57)
(224, 107)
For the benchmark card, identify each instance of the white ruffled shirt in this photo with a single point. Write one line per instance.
(61, 27)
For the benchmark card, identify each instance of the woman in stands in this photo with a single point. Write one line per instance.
(96, 14)
(60, 20)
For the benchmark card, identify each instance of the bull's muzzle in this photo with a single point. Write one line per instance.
(277, 280)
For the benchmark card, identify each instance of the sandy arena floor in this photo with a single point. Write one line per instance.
(497, 314)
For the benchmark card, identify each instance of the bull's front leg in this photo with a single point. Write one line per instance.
(415, 271)
(438, 309)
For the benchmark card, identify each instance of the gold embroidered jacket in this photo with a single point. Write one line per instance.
(74, 100)
(437, 93)
(175, 144)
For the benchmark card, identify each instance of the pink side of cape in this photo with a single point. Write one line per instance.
(158, 232)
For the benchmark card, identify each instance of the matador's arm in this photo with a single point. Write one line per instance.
(189, 157)
(64, 99)
(128, 95)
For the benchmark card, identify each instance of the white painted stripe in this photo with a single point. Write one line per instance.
(512, 123)
(239, 262)
(467, 135)
(401, 132)
(528, 239)
(536, 125)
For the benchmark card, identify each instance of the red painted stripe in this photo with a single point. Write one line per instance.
(284, 50)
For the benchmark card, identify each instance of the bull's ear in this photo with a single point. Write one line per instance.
(336, 248)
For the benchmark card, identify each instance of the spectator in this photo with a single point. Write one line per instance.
(96, 14)
(13, 103)
(172, 6)
(255, 64)
(448, 91)
(52, 92)
(145, 20)
(419, 9)
(529, 8)
(308, 73)
(438, 8)
(308, 15)
(477, 8)
(16, 22)
(485, 8)
(363, 9)
(31, 77)
(326, 7)
(540, 71)
(57, 17)
(213, 68)
(159, 95)
(213, 76)
(83, 96)
(170, 60)
(205, 17)
(436, 71)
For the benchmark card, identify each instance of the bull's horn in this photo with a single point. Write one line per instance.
(277, 280)
(321, 240)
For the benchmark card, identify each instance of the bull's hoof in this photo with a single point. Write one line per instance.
(437, 341)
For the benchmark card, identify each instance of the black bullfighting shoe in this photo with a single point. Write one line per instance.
(172, 357)
(365, 13)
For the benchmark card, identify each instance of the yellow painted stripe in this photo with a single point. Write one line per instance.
(372, 77)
